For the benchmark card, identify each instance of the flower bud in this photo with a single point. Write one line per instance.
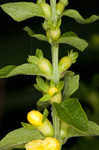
(46, 9)
(65, 64)
(65, 2)
(57, 98)
(53, 34)
(60, 8)
(45, 66)
(35, 118)
(52, 91)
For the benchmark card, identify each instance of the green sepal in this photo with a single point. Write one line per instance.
(41, 85)
(71, 112)
(74, 14)
(72, 39)
(73, 56)
(21, 11)
(60, 86)
(33, 60)
(39, 53)
(19, 137)
(44, 101)
(45, 114)
(71, 84)
(34, 35)
(27, 125)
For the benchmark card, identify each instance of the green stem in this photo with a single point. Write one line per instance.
(56, 123)
(55, 51)
(56, 120)
(53, 8)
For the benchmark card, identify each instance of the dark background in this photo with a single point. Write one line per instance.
(17, 95)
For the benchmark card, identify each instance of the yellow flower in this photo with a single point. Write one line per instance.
(51, 143)
(35, 118)
(48, 143)
(35, 145)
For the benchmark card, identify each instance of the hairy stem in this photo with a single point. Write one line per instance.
(56, 120)
(53, 8)
(55, 49)
(56, 123)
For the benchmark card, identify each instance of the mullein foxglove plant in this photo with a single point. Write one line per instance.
(54, 80)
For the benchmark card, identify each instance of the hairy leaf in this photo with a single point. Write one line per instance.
(72, 39)
(71, 112)
(19, 137)
(20, 11)
(25, 69)
(71, 84)
(78, 18)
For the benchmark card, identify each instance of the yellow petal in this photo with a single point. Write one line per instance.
(35, 118)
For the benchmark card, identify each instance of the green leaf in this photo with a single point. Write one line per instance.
(72, 39)
(69, 34)
(19, 137)
(5, 70)
(78, 18)
(37, 36)
(71, 112)
(24, 69)
(71, 84)
(20, 11)
(93, 130)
